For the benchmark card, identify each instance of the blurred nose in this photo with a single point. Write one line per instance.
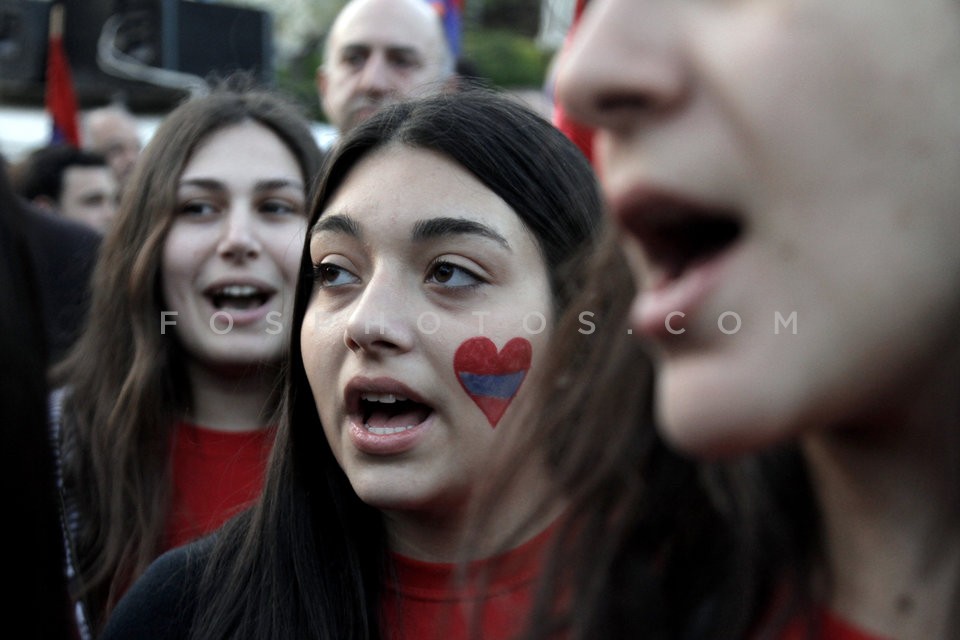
(106, 214)
(380, 322)
(376, 75)
(623, 65)
(239, 240)
(128, 157)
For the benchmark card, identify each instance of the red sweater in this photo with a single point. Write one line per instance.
(830, 627)
(425, 602)
(215, 475)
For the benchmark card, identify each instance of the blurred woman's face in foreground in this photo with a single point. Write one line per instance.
(788, 175)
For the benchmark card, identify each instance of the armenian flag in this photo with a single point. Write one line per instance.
(581, 135)
(451, 13)
(59, 98)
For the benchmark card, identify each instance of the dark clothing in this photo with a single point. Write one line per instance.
(38, 593)
(63, 253)
(161, 604)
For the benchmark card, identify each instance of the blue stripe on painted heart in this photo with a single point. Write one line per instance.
(495, 386)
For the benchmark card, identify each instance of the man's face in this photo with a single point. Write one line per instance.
(380, 52)
(116, 137)
(89, 195)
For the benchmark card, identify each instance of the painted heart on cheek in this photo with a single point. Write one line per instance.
(492, 378)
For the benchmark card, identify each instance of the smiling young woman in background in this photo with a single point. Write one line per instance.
(164, 417)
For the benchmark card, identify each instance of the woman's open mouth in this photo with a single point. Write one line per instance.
(683, 242)
(386, 417)
(385, 414)
(677, 235)
(238, 297)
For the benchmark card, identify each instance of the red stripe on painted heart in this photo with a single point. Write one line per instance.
(479, 356)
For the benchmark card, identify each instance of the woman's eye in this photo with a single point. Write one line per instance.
(327, 274)
(197, 208)
(280, 208)
(451, 275)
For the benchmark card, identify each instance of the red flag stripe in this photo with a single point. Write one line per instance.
(59, 98)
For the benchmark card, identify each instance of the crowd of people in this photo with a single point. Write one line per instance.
(680, 365)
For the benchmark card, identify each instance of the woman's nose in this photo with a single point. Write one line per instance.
(623, 64)
(381, 321)
(240, 239)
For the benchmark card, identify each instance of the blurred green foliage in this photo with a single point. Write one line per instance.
(517, 16)
(297, 78)
(506, 59)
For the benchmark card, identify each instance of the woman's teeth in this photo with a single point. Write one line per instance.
(386, 431)
(238, 296)
(389, 413)
(388, 398)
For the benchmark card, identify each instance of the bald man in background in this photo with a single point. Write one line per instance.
(112, 132)
(379, 52)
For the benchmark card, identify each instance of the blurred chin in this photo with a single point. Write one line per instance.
(243, 354)
(361, 115)
(709, 420)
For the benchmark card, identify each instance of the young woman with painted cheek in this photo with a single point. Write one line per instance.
(389, 327)
(435, 264)
(166, 416)
(785, 177)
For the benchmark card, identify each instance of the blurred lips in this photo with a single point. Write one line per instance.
(684, 243)
(245, 300)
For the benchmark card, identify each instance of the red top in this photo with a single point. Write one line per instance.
(426, 601)
(831, 628)
(215, 475)
(580, 134)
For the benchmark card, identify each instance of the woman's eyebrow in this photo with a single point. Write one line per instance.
(439, 227)
(276, 184)
(338, 223)
(272, 184)
(208, 184)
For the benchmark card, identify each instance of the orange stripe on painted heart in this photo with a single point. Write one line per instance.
(489, 377)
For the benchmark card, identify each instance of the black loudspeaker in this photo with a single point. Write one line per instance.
(201, 39)
(198, 38)
(218, 39)
(23, 44)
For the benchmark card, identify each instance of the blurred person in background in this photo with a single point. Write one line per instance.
(164, 410)
(77, 184)
(379, 52)
(39, 602)
(112, 132)
(62, 254)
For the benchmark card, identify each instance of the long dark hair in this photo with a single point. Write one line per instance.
(653, 544)
(308, 560)
(126, 380)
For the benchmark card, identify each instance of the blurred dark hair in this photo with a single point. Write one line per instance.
(41, 173)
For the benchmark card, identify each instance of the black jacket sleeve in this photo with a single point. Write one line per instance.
(162, 603)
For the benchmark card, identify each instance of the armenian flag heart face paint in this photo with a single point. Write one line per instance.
(489, 377)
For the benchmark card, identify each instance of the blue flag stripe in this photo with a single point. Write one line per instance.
(495, 386)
